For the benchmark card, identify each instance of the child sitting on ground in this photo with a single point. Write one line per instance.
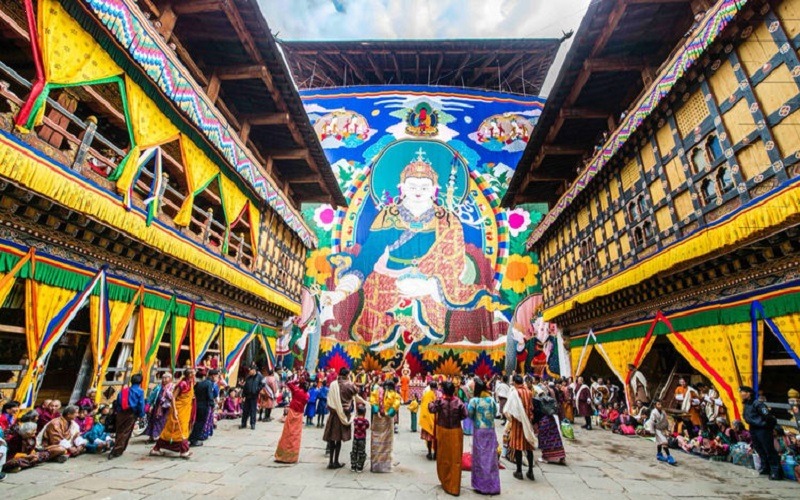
(359, 454)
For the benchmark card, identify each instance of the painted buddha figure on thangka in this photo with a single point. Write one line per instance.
(410, 267)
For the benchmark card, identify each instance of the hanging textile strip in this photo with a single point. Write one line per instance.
(678, 338)
(644, 348)
(8, 280)
(177, 340)
(117, 330)
(235, 353)
(39, 82)
(133, 33)
(756, 310)
(262, 337)
(197, 355)
(589, 337)
(32, 169)
(26, 392)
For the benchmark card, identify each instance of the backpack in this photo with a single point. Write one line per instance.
(548, 405)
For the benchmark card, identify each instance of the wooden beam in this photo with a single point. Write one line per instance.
(478, 72)
(198, 7)
(166, 21)
(288, 154)
(561, 150)
(610, 64)
(614, 18)
(244, 132)
(212, 91)
(355, 69)
(378, 71)
(267, 119)
(397, 68)
(439, 66)
(461, 68)
(305, 179)
(246, 72)
(582, 113)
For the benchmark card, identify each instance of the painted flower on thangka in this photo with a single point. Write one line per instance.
(370, 363)
(518, 221)
(521, 273)
(354, 350)
(497, 355)
(317, 265)
(448, 367)
(468, 357)
(324, 216)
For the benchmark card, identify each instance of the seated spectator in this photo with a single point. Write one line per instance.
(97, 439)
(8, 417)
(50, 409)
(61, 436)
(625, 425)
(740, 434)
(88, 400)
(232, 407)
(84, 419)
(22, 454)
(613, 416)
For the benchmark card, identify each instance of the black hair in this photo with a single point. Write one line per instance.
(448, 388)
(480, 386)
(344, 372)
(136, 379)
(213, 372)
(433, 385)
(389, 385)
(10, 405)
(518, 379)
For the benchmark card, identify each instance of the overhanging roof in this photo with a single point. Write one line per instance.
(505, 65)
(617, 51)
(229, 49)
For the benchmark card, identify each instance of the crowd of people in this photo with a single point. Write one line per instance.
(532, 414)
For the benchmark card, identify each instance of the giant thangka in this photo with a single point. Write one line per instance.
(422, 266)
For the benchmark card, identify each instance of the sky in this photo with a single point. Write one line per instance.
(426, 19)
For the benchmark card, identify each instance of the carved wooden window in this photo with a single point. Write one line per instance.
(588, 256)
(638, 237)
(708, 191)
(724, 179)
(713, 148)
(642, 204)
(699, 160)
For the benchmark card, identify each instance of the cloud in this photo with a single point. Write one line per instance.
(423, 19)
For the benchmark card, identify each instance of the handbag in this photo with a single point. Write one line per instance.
(567, 430)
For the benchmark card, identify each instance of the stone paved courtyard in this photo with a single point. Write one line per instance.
(238, 464)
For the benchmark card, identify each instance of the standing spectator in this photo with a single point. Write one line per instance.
(413, 408)
(519, 409)
(762, 424)
(322, 404)
(501, 389)
(252, 386)
(204, 399)
(485, 462)
(450, 411)
(160, 402)
(129, 406)
(427, 421)
(583, 402)
(385, 405)
(338, 428)
(175, 436)
(288, 450)
(359, 453)
(271, 394)
(658, 425)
